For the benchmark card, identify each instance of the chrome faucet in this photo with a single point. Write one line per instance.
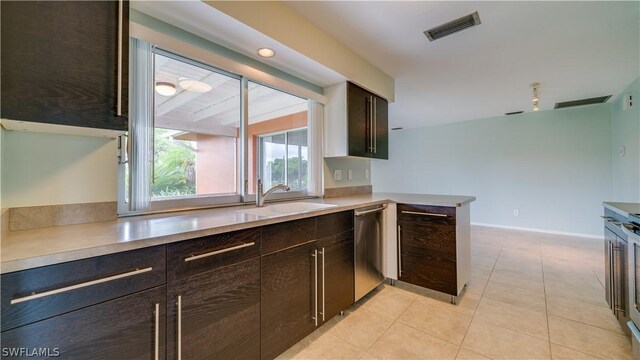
(260, 196)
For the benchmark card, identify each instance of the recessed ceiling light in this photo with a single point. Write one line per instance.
(165, 88)
(194, 85)
(266, 52)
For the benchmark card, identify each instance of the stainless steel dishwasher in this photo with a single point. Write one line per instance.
(369, 249)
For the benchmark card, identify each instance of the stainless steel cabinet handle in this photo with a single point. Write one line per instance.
(119, 84)
(370, 123)
(232, 248)
(423, 213)
(375, 124)
(156, 347)
(179, 303)
(80, 286)
(611, 267)
(315, 286)
(322, 253)
(399, 252)
(360, 213)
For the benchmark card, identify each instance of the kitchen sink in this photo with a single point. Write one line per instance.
(285, 209)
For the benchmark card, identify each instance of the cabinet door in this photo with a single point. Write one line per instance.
(125, 328)
(427, 254)
(381, 144)
(358, 114)
(219, 313)
(336, 274)
(288, 298)
(60, 62)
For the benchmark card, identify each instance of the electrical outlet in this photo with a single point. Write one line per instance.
(366, 173)
(337, 175)
(516, 212)
(627, 103)
(350, 175)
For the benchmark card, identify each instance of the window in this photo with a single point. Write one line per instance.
(196, 130)
(192, 145)
(284, 159)
(278, 134)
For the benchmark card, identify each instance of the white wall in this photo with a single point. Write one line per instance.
(46, 169)
(358, 166)
(626, 133)
(553, 166)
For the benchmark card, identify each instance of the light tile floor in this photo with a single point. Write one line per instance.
(530, 296)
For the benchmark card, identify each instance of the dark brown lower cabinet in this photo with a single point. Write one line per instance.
(216, 314)
(336, 274)
(130, 327)
(288, 298)
(431, 252)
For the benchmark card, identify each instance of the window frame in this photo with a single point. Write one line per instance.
(243, 195)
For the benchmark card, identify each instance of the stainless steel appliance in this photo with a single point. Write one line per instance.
(632, 230)
(616, 266)
(369, 250)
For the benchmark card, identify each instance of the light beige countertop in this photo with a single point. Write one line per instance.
(623, 208)
(25, 249)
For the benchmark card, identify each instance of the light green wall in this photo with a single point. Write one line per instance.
(626, 133)
(358, 167)
(45, 169)
(553, 166)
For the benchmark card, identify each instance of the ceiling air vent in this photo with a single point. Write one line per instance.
(514, 113)
(453, 26)
(590, 101)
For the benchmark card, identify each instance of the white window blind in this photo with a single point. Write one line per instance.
(141, 123)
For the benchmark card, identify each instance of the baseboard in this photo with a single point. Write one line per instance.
(589, 236)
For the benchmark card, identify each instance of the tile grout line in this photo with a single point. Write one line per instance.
(481, 296)
(546, 305)
(390, 326)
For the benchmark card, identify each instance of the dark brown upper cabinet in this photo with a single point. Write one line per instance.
(356, 123)
(65, 62)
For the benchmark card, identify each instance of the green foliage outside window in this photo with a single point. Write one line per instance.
(174, 167)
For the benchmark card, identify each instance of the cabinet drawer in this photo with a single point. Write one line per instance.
(428, 235)
(333, 224)
(431, 270)
(36, 294)
(439, 214)
(284, 235)
(130, 327)
(191, 257)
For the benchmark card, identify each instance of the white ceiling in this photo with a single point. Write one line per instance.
(216, 26)
(574, 50)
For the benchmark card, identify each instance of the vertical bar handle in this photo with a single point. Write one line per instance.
(323, 308)
(119, 81)
(399, 252)
(156, 347)
(315, 286)
(375, 124)
(179, 327)
(371, 123)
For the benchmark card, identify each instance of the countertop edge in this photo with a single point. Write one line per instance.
(615, 209)
(14, 265)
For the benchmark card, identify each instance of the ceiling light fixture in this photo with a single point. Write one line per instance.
(266, 52)
(194, 85)
(534, 97)
(165, 88)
